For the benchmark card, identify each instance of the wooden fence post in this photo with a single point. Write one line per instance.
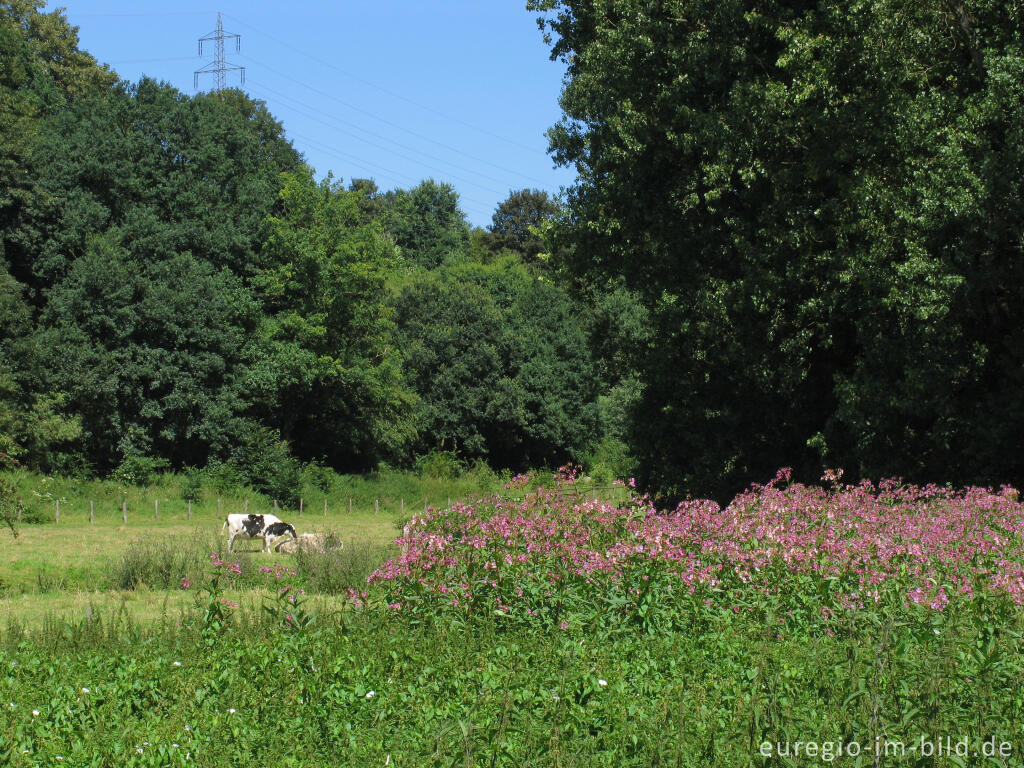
(218, 507)
(300, 506)
(156, 509)
(403, 507)
(325, 507)
(245, 507)
(376, 506)
(350, 505)
(91, 513)
(124, 511)
(275, 506)
(190, 510)
(58, 510)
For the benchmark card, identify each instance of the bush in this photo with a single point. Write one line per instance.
(318, 477)
(139, 469)
(440, 465)
(263, 460)
(339, 567)
(192, 484)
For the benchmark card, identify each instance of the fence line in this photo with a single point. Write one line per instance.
(377, 507)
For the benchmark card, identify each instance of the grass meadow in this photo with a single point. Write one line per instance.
(540, 626)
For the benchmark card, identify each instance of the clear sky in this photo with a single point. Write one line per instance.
(398, 91)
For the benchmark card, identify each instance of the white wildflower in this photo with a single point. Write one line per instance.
(231, 710)
(177, 663)
(35, 713)
(85, 690)
(371, 694)
(602, 683)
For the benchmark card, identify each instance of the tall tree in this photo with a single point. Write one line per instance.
(173, 173)
(427, 223)
(41, 70)
(516, 222)
(327, 372)
(151, 355)
(822, 210)
(501, 365)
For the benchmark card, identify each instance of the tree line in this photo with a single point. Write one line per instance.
(178, 290)
(794, 240)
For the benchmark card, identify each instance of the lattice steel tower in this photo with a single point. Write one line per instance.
(219, 66)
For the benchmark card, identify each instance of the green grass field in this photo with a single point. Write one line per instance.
(120, 647)
(60, 570)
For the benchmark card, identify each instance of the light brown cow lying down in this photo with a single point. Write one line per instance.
(308, 541)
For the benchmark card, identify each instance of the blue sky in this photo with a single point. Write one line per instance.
(394, 90)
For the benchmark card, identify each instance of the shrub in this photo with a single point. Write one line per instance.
(191, 484)
(441, 465)
(264, 461)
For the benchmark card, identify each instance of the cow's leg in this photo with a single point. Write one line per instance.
(231, 541)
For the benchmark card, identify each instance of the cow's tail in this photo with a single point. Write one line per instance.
(225, 526)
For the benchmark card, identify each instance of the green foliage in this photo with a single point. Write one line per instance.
(516, 222)
(443, 465)
(262, 460)
(494, 695)
(10, 504)
(820, 209)
(176, 290)
(427, 223)
(192, 484)
(500, 363)
(153, 349)
(326, 371)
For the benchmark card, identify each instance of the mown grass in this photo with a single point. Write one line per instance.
(76, 555)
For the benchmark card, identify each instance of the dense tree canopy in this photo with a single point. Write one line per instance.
(501, 365)
(327, 373)
(178, 290)
(517, 221)
(820, 204)
(427, 223)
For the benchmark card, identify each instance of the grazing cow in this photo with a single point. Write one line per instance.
(309, 541)
(248, 526)
(275, 531)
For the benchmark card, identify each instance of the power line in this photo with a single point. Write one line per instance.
(152, 61)
(481, 207)
(381, 88)
(355, 108)
(313, 115)
(354, 160)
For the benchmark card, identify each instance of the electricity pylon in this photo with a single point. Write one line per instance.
(220, 65)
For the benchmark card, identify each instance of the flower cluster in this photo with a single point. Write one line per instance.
(512, 554)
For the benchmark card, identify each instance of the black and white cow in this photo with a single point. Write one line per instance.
(248, 526)
(268, 527)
